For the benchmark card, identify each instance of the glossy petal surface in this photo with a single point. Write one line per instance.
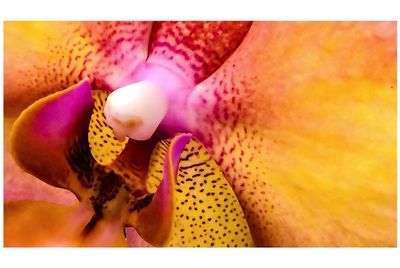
(302, 120)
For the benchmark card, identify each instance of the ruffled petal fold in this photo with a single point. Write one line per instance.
(18, 184)
(48, 139)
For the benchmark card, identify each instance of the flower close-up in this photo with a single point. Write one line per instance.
(200, 134)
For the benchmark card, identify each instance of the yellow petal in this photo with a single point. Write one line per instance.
(302, 120)
(198, 200)
(104, 146)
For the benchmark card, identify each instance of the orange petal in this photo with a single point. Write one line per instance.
(41, 58)
(18, 184)
(302, 120)
(35, 223)
(43, 224)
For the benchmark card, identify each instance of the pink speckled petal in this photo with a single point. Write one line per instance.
(195, 49)
(41, 58)
(302, 120)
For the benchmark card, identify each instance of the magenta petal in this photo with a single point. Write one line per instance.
(171, 161)
(49, 139)
(60, 117)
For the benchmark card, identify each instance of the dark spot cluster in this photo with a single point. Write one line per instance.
(141, 203)
(106, 188)
(104, 183)
(81, 161)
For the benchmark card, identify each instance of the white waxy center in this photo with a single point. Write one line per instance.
(136, 110)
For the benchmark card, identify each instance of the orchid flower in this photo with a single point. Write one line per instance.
(203, 133)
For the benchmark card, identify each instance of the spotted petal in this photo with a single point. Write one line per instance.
(302, 120)
(41, 58)
(104, 146)
(193, 204)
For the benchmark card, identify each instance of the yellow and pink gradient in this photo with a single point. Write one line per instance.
(297, 121)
